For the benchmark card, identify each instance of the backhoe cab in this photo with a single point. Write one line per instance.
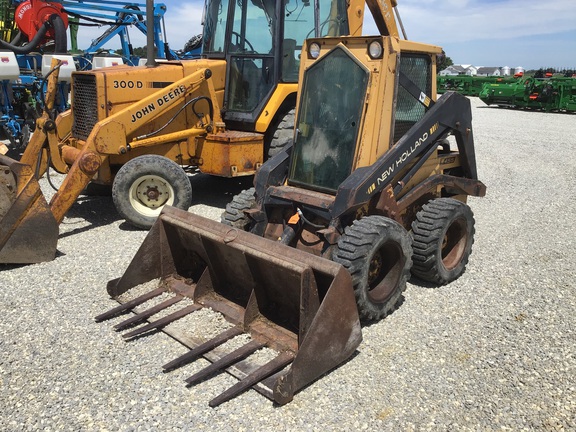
(370, 190)
(138, 129)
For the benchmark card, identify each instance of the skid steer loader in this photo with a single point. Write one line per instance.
(372, 188)
(138, 129)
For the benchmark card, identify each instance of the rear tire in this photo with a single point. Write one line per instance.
(283, 134)
(234, 215)
(145, 184)
(377, 253)
(443, 235)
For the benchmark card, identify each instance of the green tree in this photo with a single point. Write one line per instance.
(443, 62)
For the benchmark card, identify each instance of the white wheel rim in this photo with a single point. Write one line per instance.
(148, 194)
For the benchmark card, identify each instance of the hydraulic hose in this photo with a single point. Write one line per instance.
(60, 40)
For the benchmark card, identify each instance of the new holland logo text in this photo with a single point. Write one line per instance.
(402, 158)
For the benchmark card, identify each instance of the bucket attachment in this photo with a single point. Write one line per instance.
(28, 230)
(299, 305)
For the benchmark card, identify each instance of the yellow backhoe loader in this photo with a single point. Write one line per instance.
(374, 187)
(138, 129)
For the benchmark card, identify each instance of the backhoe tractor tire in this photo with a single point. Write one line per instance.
(283, 134)
(442, 238)
(376, 251)
(234, 215)
(145, 184)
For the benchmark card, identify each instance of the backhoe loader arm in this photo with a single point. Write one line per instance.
(383, 14)
(104, 138)
(124, 123)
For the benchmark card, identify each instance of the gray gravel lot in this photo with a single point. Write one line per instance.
(493, 350)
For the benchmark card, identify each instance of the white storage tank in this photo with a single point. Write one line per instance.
(505, 71)
(65, 72)
(102, 62)
(519, 70)
(9, 69)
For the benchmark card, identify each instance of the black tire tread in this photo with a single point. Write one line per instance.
(142, 165)
(353, 249)
(427, 230)
(234, 214)
(283, 135)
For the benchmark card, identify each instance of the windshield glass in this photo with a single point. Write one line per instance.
(215, 27)
(299, 24)
(328, 121)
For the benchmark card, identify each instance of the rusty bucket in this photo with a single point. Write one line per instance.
(299, 305)
(28, 230)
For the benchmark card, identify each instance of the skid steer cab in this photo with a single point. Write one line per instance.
(373, 188)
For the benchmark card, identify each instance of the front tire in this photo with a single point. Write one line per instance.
(376, 251)
(145, 184)
(234, 215)
(443, 235)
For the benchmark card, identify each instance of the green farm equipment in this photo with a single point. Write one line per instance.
(546, 94)
(468, 85)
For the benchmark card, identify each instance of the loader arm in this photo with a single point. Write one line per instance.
(102, 141)
(451, 113)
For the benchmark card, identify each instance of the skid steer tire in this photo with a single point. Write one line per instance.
(442, 239)
(234, 214)
(376, 251)
(145, 184)
(283, 134)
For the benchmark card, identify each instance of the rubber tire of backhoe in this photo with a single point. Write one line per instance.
(366, 241)
(234, 214)
(442, 222)
(193, 43)
(159, 167)
(283, 134)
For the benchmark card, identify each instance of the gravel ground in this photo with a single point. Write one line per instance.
(493, 350)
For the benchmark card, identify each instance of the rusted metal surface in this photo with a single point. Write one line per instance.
(300, 305)
(28, 230)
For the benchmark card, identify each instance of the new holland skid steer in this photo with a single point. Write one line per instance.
(138, 128)
(374, 186)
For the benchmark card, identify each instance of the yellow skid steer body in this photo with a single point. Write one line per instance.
(300, 305)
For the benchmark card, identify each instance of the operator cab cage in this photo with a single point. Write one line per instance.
(248, 33)
(333, 106)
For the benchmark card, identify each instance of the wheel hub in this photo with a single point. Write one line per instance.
(150, 193)
(454, 243)
(153, 193)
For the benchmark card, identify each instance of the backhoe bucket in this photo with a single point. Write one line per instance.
(300, 305)
(28, 230)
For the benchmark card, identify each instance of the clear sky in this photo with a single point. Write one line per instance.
(527, 33)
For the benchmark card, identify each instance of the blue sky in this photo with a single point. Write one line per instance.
(527, 33)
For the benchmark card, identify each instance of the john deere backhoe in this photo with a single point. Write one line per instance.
(137, 129)
(374, 187)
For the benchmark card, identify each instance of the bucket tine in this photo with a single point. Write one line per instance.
(130, 304)
(148, 313)
(163, 321)
(193, 354)
(258, 375)
(228, 360)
